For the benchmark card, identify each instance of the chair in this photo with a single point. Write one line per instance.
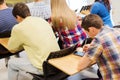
(51, 72)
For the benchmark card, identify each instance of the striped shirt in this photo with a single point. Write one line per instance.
(7, 20)
(106, 49)
(40, 9)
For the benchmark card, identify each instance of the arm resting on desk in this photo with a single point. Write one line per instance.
(4, 52)
(4, 43)
(70, 64)
(85, 62)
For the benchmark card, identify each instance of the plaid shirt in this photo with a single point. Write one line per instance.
(71, 37)
(106, 49)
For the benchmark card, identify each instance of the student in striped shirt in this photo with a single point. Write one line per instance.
(39, 8)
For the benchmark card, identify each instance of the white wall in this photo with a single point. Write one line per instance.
(47, 2)
(76, 4)
(116, 11)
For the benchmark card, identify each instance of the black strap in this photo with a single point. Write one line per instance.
(62, 52)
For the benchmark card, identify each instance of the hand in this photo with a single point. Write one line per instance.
(85, 47)
(79, 49)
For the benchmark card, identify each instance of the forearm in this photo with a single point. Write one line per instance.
(85, 62)
(15, 50)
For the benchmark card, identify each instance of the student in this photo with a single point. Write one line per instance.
(35, 36)
(40, 9)
(102, 8)
(104, 49)
(65, 23)
(7, 21)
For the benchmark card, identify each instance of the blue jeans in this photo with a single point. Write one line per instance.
(87, 73)
(17, 65)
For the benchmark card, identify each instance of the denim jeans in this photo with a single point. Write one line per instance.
(16, 65)
(87, 73)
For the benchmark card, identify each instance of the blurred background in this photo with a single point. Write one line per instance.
(77, 4)
(12, 2)
(73, 4)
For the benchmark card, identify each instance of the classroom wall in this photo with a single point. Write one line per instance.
(74, 4)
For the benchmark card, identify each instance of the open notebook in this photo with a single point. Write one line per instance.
(67, 64)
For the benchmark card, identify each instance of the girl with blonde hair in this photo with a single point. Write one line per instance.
(65, 23)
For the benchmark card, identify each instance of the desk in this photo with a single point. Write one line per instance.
(4, 41)
(4, 52)
(67, 64)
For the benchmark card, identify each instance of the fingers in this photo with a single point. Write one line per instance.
(85, 47)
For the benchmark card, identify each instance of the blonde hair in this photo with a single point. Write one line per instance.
(62, 16)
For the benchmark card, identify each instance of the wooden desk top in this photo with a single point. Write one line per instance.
(4, 41)
(4, 52)
(67, 64)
